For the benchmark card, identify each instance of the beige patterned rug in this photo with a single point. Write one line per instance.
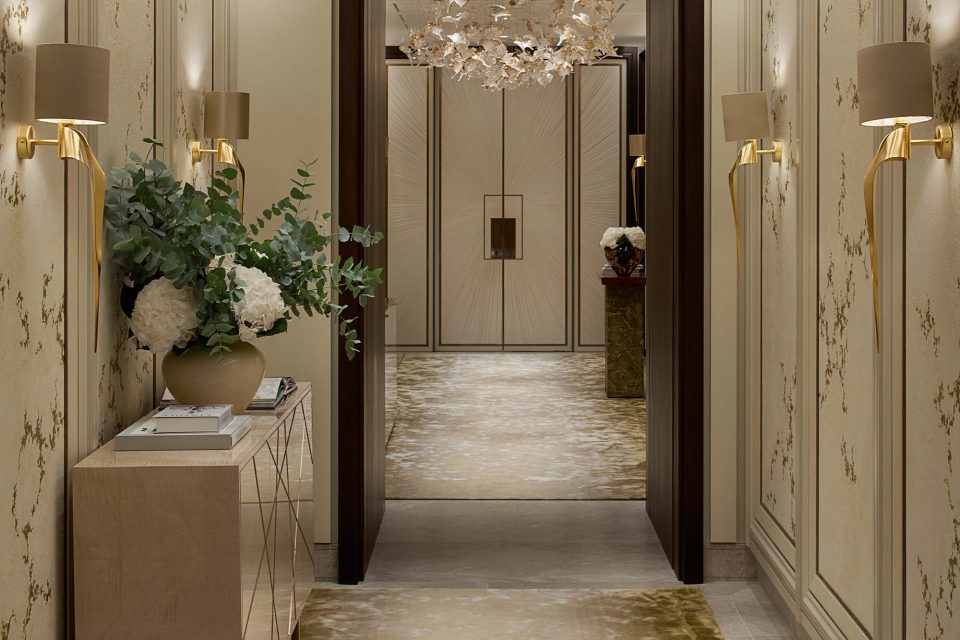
(512, 426)
(525, 614)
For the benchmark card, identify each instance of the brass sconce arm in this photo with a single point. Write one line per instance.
(226, 154)
(73, 145)
(749, 153)
(898, 145)
(639, 163)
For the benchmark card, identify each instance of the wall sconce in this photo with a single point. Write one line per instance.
(73, 88)
(226, 116)
(746, 117)
(896, 90)
(638, 150)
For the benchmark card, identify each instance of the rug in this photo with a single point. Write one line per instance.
(512, 426)
(523, 614)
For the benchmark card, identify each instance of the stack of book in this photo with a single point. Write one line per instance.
(186, 427)
(271, 394)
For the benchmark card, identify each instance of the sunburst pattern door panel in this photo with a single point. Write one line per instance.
(535, 154)
(601, 198)
(471, 167)
(408, 201)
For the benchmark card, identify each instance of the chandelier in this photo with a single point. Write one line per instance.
(515, 43)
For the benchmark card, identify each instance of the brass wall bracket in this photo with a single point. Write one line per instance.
(73, 145)
(749, 153)
(898, 145)
(226, 153)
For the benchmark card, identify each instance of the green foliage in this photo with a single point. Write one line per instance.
(161, 227)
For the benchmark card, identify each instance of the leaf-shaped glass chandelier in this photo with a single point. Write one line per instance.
(513, 43)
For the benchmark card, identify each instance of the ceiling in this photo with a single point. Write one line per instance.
(629, 25)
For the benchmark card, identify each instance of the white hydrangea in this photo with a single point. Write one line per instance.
(262, 304)
(635, 235)
(164, 316)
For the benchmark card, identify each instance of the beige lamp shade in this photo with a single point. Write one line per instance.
(638, 145)
(896, 85)
(226, 115)
(72, 84)
(746, 116)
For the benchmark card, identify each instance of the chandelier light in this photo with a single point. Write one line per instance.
(513, 43)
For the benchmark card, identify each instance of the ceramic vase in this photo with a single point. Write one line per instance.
(199, 377)
(624, 259)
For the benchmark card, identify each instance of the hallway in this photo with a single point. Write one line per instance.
(517, 511)
(517, 569)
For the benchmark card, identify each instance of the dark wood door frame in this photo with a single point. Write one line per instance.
(361, 200)
(675, 269)
(675, 275)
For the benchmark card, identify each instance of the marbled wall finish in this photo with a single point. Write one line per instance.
(125, 375)
(31, 341)
(847, 417)
(932, 333)
(778, 217)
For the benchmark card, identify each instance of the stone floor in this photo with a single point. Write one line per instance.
(554, 545)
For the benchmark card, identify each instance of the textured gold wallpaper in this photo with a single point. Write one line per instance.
(31, 341)
(847, 403)
(32, 286)
(125, 375)
(778, 218)
(932, 495)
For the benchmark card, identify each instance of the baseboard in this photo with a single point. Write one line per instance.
(728, 562)
(325, 562)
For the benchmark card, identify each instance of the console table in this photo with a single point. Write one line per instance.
(198, 544)
(624, 300)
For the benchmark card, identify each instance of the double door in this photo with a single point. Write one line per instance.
(503, 218)
(496, 205)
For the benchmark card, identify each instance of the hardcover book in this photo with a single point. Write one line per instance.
(143, 436)
(193, 418)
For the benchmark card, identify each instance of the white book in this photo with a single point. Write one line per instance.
(143, 436)
(193, 418)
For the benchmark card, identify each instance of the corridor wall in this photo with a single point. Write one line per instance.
(60, 399)
(851, 512)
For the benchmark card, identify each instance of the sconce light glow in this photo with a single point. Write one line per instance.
(226, 116)
(73, 88)
(746, 116)
(896, 89)
(638, 150)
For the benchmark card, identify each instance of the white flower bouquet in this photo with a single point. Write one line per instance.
(197, 275)
(617, 236)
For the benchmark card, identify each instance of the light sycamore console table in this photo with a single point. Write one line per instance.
(198, 544)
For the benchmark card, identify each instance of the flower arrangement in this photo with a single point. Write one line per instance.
(618, 236)
(197, 275)
(624, 247)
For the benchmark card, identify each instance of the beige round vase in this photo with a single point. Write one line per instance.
(198, 377)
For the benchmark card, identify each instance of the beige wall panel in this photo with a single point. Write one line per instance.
(194, 59)
(600, 102)
(535, 166)
(932, 336)
(471, 161)
(408, 203)
(778, 219)
(292, 121)
(124, 374)
(846, 443)
(32, 284)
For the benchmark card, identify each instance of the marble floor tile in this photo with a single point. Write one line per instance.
(537, 546)
(513, 426)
